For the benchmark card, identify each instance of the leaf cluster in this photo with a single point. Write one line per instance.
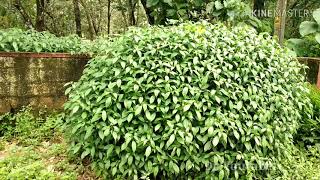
(17, 40)
(189, 101)
(309, 130)
(310, 31)
(224, 10)
(27, 128)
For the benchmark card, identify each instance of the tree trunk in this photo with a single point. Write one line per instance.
(123, 14)
(77, 15)
(131, 10)
(259, 7)
(109, 16)
(40, 18)
(92, 31)
(148, 11)
(280, 20)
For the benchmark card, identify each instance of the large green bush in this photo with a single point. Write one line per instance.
(189, 101)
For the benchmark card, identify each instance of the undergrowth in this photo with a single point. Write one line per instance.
(32, 147)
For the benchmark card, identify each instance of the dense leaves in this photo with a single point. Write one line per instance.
(310, 31)
(309, 131)
(191, 101)
(312, 27)
(17, 40)
(306, 47)
(224, 10)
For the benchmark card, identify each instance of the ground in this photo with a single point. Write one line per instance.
(47, 160)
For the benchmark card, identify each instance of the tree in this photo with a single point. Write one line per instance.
(25, 16)
(148, 11)
(131, 10)
(280, 20)
(258, 7)
(77, 15)
(109, 16)
(40, 18)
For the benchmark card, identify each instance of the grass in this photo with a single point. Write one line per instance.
(32, 147)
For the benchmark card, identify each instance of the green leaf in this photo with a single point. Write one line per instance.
(15, 46)
(75, 109)
(151, 3)
(134, 146)
(239, 105)
(88, 132)
(185, 91)
(101, 134)
(168, 2)
(104, 115)
(317, 37)
(175, 167)
(209, 7)
(85, 153)
(221, 174)
(106, 132)
(76, 148)
(186, 107)
(157, 127)
(138, 110)
(218, 5)
(308, 27)
(130, 116)
(130, 159)
(127, 104)
(150, 116)
(316, 15)
(148, 151)
(189, 165)
(108, 102)
(210, 131)
(171, 140)
(207, 146)
(215, 141)
(236, 134)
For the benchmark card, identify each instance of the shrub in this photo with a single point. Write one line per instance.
(303, 164)
(309, 130)
(27, 128)
(189, 101)
(17, 40)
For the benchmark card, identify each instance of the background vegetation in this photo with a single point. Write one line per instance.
(274, 122)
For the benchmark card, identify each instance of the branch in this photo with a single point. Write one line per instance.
(24, 14)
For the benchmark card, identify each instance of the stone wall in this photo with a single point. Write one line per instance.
(36, 79)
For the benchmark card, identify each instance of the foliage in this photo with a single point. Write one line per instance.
(310, 44)
(312, 27)
(304, 164)
(189, 101)
(44, 153)
(309, 131)
(224, 10)
(28, 129)
(306, 47)
(44, 162)
(17, 40)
